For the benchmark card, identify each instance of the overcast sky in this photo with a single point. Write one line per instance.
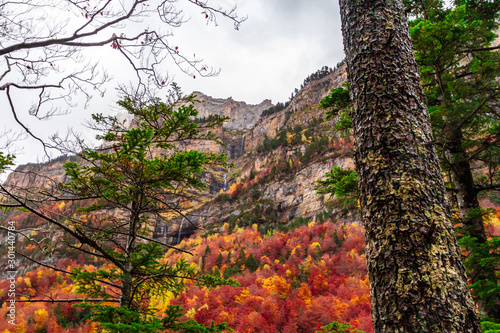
(281, 43)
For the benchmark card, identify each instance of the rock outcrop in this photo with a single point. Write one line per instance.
(38, 175)
(243, 116)
(303, 105)
(288, 195)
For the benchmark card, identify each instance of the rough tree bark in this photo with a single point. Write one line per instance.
(417, 280)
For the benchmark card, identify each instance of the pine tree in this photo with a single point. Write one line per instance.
(251, 263)
(460, 71)
(218, 261)
(131, 186)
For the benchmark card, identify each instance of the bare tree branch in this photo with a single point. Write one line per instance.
(62, 270)
(51, 36)
(71, 300)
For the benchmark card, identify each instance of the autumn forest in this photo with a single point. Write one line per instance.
(369, 201)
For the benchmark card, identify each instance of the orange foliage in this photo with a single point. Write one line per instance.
(304, 280)
(493, 223)
(31, 317)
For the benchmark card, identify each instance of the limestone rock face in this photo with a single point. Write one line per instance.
(291, 197)
(307, 98)
(36, 175)
(287, 196)
(314, 91)
(243, 115)
(296, 196)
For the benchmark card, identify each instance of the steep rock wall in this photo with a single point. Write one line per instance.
(297, 110)
(243, 115)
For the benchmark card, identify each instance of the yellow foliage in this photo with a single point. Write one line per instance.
(288, 273)
(225, 317)
(365, 282)
(28, 282)
(308, 262)
(298, 247)
(493, 221)
(255, 227)
(20, 328)
(6, 331)
(232, 188)
(244, 295)
(40, 318)
(315, 246)
(91, 327)
(161, 302)
(68, 288)
(190, 313)
(338, 306)
(277, 285)
(89, 268)
(305, 293)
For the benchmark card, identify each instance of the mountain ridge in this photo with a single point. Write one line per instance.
(245, 131)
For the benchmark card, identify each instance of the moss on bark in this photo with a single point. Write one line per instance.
(417, 280)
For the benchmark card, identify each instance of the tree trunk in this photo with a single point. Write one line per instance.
(472, 221)
(417, 280)
(126, 288)
(464, 183)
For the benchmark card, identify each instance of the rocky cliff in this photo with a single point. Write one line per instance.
(278, 181)
(302, 107)
(37, 175)
(243, 116)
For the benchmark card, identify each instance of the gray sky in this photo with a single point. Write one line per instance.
(281, 43)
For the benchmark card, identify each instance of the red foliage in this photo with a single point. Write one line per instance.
(305, 280)
(299, 286)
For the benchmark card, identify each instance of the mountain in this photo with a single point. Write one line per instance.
(278, 155)
(273, 179)
(243, 133)
(242, 115)
(293, 252)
